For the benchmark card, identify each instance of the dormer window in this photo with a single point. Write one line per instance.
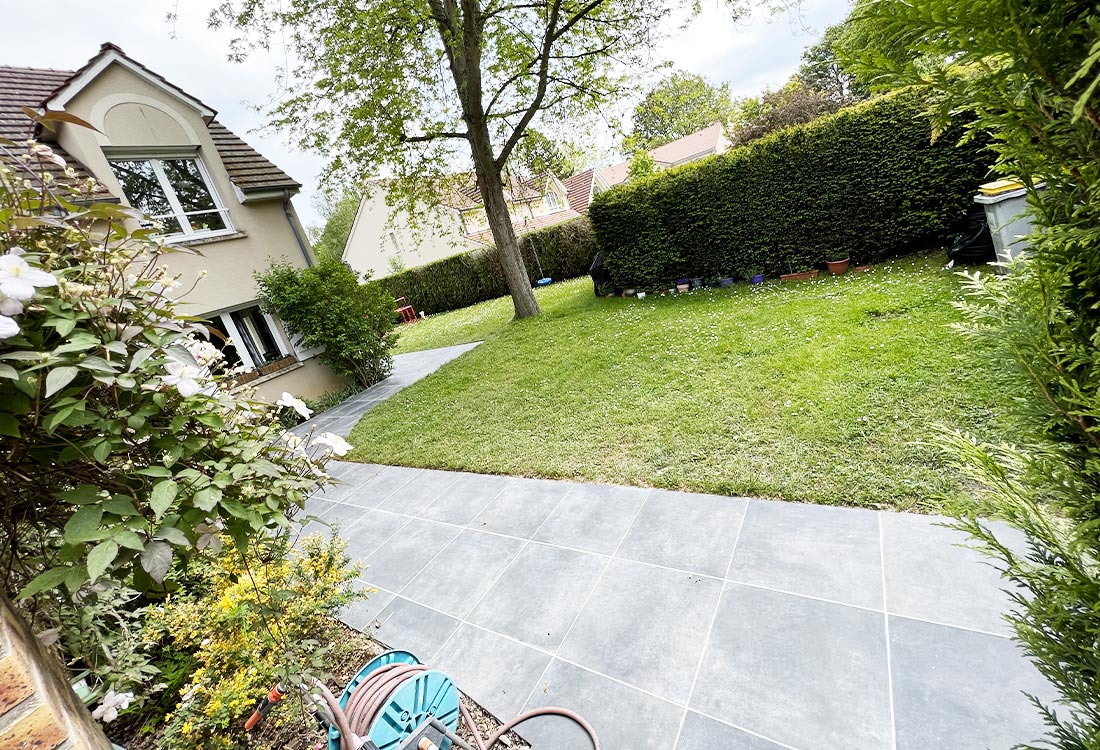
(553, 200)
(176, 192)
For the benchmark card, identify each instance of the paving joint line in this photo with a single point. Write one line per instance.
(886, 623)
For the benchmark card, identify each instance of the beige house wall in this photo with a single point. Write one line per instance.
(371, 243)
(134, 114)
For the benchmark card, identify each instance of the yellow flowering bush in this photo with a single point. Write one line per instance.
(256, 620)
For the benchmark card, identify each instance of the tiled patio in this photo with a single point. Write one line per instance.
(676, 621)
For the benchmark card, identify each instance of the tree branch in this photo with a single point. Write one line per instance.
(432, 137)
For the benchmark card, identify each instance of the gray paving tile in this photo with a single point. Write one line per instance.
(686, 531)
(363, 614)
(521, 506)
(343, 517)
(380, 486)
(418, 494)
(397, 562)
(344, 425)
(832, 553)
(702, 733)
(930, 577)
(593, 517)
(464, 499)
(348, 480)
(496, 672)
(455, 580)
(371, 531)
(960, 689)
(624, 718)
(407, 625)
(539, 595)
(645, 626)
(806, 673)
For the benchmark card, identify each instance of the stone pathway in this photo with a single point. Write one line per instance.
(677, 621)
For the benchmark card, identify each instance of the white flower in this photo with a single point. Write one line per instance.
(184, 377)
(18, 279)
(203, 351)
(296, 404)
(47, 153)
(10, 305)
(294, 443)
(8, 327)
(111, 704)
(333, 443)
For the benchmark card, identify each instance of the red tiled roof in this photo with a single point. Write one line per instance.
(463, 194)
(690, 147)
(523, 226)
(33, 87)
(578, 190)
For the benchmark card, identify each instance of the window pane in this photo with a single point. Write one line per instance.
(219, 337)
(142, 189)
(257, 336)
(193, 194)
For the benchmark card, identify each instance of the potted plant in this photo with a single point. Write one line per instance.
(725, 281)
(756, 276)
(629, 291)
(804, 273)
(697, 282)
(683, 284)
(838, 261)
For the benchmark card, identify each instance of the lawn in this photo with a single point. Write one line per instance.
(826, 391)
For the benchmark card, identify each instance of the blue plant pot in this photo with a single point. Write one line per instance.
(757, 279)
(727, 281)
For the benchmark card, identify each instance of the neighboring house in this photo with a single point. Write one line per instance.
(160, 150)
(698, 145)
(382, 241)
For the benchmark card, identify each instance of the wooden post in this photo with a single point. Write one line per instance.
(38, 708)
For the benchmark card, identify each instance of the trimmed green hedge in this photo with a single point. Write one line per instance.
(868, 180)
(565, 251)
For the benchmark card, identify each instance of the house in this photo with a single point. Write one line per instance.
(161, 149)
(698, 145)
(383, 241)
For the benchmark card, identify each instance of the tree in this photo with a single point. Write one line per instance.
(793, 104)
(680, 105)
(339, 212)
(412, 87)
(538, 155)
(822, 71)
(1027, 73)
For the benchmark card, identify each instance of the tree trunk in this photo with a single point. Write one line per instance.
(500, 222)
(38, 708)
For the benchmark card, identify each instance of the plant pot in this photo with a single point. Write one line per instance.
(725, 281)
(837, 267)
(628, 292)
(800, 276)
(641, 295)
(863, 269)
(757, 279)
(683, 287)
(697, 282)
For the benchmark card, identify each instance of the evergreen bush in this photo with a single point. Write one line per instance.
(870, 179)
(564, 251)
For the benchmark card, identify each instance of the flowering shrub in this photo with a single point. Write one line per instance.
(127, 449)
(243, 645)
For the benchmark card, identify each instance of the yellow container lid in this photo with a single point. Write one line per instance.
(1001, 186)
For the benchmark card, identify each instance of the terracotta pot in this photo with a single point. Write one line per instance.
(800, 276)
(862, 269)
(683, 287)
(837, 267)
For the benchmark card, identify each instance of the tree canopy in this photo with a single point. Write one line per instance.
(823, 72)
(418, 89)
(679, 105)
(338, 210)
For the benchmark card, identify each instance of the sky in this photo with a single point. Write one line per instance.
(753, 54)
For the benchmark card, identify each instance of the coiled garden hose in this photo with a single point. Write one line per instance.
(374, 693)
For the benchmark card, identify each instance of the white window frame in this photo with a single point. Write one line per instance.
(553, 200)
(186, 230)
(226, 319)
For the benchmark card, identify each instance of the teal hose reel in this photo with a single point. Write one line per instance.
(399, 706)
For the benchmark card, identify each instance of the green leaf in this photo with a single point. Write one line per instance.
(58, 378)
(120, 506)
(65, 326)
(207, 498)
(128, 539)
(159, 472)
(102, 451)
(7, 371)
(164, 492)
(156, 558)
(51, 579)
(100, 558)
(83, 526)
(9, 425)
(172, 535)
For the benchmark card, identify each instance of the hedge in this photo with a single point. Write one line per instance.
(868, 180)
(564, 251)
